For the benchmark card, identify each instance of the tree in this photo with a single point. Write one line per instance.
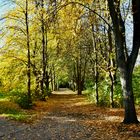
(126, 61)
(28, 53)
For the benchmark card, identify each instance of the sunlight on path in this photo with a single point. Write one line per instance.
(64, 91)
(69, 98)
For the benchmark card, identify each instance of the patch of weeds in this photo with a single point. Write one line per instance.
(23, 101)
(19, 116)
(20, 98)
(3, 96)
(12, 111)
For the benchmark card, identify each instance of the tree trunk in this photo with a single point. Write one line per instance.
(46, 59)
(78, 77)
(43, 52)
(95, 70)
(79, 86)
(47, 81)
(111, 90)
(35, 71)
(74, 78)
(37, 91)
(28, 54)
(111, 67)
(130, 112)
(54, 79)
(51, 78)
(79, 90)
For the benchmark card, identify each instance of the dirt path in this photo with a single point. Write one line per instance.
(66, 116)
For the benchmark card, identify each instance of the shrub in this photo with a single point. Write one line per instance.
(136, 83)
(20, 98)
(23, 101)
(104, 93)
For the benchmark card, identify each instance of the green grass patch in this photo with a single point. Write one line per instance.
(19, 116)
(11, 110)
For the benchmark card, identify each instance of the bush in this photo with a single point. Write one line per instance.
(104, 93)
(20, 98)
(23, 101)
(136, 83)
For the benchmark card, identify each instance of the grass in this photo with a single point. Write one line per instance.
(11, 110)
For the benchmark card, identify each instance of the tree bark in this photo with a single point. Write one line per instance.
(111, 90)
(78, 77)
(95, 70)
(130, 112)
(46, 62)
(111, 68)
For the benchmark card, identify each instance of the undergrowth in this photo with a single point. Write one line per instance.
(11, 110)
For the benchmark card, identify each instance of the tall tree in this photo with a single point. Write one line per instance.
(43, 50)
(28, 53)
(126, 61)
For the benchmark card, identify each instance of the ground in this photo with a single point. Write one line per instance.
(67, 116)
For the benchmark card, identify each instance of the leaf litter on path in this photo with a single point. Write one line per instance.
(67, 116)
